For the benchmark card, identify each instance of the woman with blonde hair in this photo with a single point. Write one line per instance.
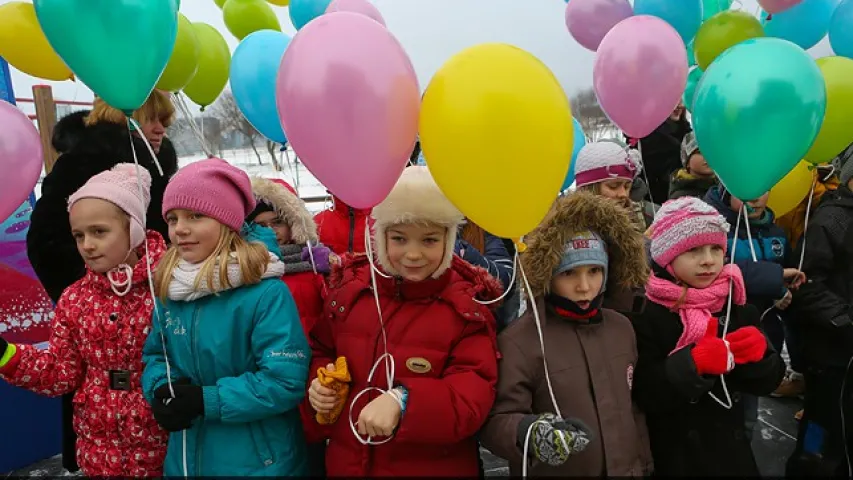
(90, 143)
(226, 362)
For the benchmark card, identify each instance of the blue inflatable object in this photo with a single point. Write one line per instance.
(303, 11)
(841, 30)
(804, 24)
(579, 142)
(685, 16)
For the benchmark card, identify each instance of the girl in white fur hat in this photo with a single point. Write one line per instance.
(440, 344)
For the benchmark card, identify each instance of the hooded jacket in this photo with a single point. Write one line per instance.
(684, 184)
(342, 227)
(590, 363)
(306, 287)
(94, 149)
(441, 339)
(762, 276)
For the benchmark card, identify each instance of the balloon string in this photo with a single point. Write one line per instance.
(185, 110)
(806, 226)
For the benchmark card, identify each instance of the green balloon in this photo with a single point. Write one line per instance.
(725, 30)
(756, 113)
(219, 3)
(184, 60)
(118, 48)
(214, 64)
(713, 7)
(243, 17)
(692, 82)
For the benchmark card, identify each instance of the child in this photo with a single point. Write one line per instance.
(99, 327)
(584, 244)
(696, 177)
(608, 169)
(823, 317)
(684, 348)
(440, 339)
(235, 364)
(341, 227)
(280, 209)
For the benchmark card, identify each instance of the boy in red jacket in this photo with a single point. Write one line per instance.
(433, 346)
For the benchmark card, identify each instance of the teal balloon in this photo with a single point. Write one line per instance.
(303, 11)
(757, 111)
(805, 24)
(118, 48)
(692, 82)
(579, 139)
(691, 57)
(713, 7)
(254, 69)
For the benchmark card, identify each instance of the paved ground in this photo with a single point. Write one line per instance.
(773, 442)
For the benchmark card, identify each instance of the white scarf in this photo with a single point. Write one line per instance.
(182, 286)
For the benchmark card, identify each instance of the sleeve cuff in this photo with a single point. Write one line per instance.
(211, 402)
(681, 372)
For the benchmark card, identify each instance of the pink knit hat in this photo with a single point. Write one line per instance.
(604, 160)
(214, 188)
(120, 187)
(683, 224)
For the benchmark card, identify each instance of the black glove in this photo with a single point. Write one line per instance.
(552, 439)
(176, 414)
(3, 346)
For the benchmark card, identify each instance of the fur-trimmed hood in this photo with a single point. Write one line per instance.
(415, 198)
(578, 212)
(288, 206)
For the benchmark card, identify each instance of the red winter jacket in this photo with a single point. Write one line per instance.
(342, 227)
(94, 332)
(308, 290)
(445, 354)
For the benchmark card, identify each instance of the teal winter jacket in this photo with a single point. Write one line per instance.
(246, 348)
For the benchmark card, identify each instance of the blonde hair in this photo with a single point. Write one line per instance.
(157, 107)
(252, 257)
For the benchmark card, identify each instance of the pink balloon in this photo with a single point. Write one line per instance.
(589, 20)
(776, 6)
(363, 7)
(640, 74)
(20, 158)
(349, 100)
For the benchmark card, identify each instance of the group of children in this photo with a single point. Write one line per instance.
(233, 353)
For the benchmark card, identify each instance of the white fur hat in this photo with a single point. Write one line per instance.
(415, 198)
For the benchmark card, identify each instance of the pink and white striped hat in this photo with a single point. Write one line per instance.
(605, 160)
(683, 224)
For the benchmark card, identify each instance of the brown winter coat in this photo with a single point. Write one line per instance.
(590, 364)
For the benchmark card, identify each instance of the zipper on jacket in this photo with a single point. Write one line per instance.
(351, 229)
(198, 437)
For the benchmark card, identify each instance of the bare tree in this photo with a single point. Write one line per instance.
(592, 118)
(225, 109)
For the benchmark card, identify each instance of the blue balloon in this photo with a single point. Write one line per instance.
(579, 143)
(841, 30)
(254, 68)
(684, 15)
(804, 24)
(303, 11)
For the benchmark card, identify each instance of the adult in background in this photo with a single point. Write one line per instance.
(661, 152)
(90, 143)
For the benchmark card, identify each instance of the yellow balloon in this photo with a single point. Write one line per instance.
(243, 17)
(496, 131)
(791, 190)
(24, 46)
(280, 3)
(213, 66)
(836, 132)
(184, 60)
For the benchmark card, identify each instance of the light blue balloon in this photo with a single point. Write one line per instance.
(805, 24)
(254, 69)
(757, 111)
(841, 30)
(684, 15)
(579, 143)
(303, 11)
(118, 48)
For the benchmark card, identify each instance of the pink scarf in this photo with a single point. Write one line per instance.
(699, 304)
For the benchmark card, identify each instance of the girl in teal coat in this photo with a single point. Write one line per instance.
(226, 362)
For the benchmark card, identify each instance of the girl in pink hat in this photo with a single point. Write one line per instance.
(99, 328)
(699, 349)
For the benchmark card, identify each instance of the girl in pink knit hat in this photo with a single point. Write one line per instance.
(99, 327)
(700, 347)
(226, 364)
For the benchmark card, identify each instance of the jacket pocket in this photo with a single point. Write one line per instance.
(262, 445)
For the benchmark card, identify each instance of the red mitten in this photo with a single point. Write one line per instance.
(748, 345)
(710, 356)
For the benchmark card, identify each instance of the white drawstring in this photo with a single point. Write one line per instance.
(148, 261)
(506, 292)
(119, 287)
(386, 355)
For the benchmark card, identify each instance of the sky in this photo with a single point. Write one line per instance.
(432, 31)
